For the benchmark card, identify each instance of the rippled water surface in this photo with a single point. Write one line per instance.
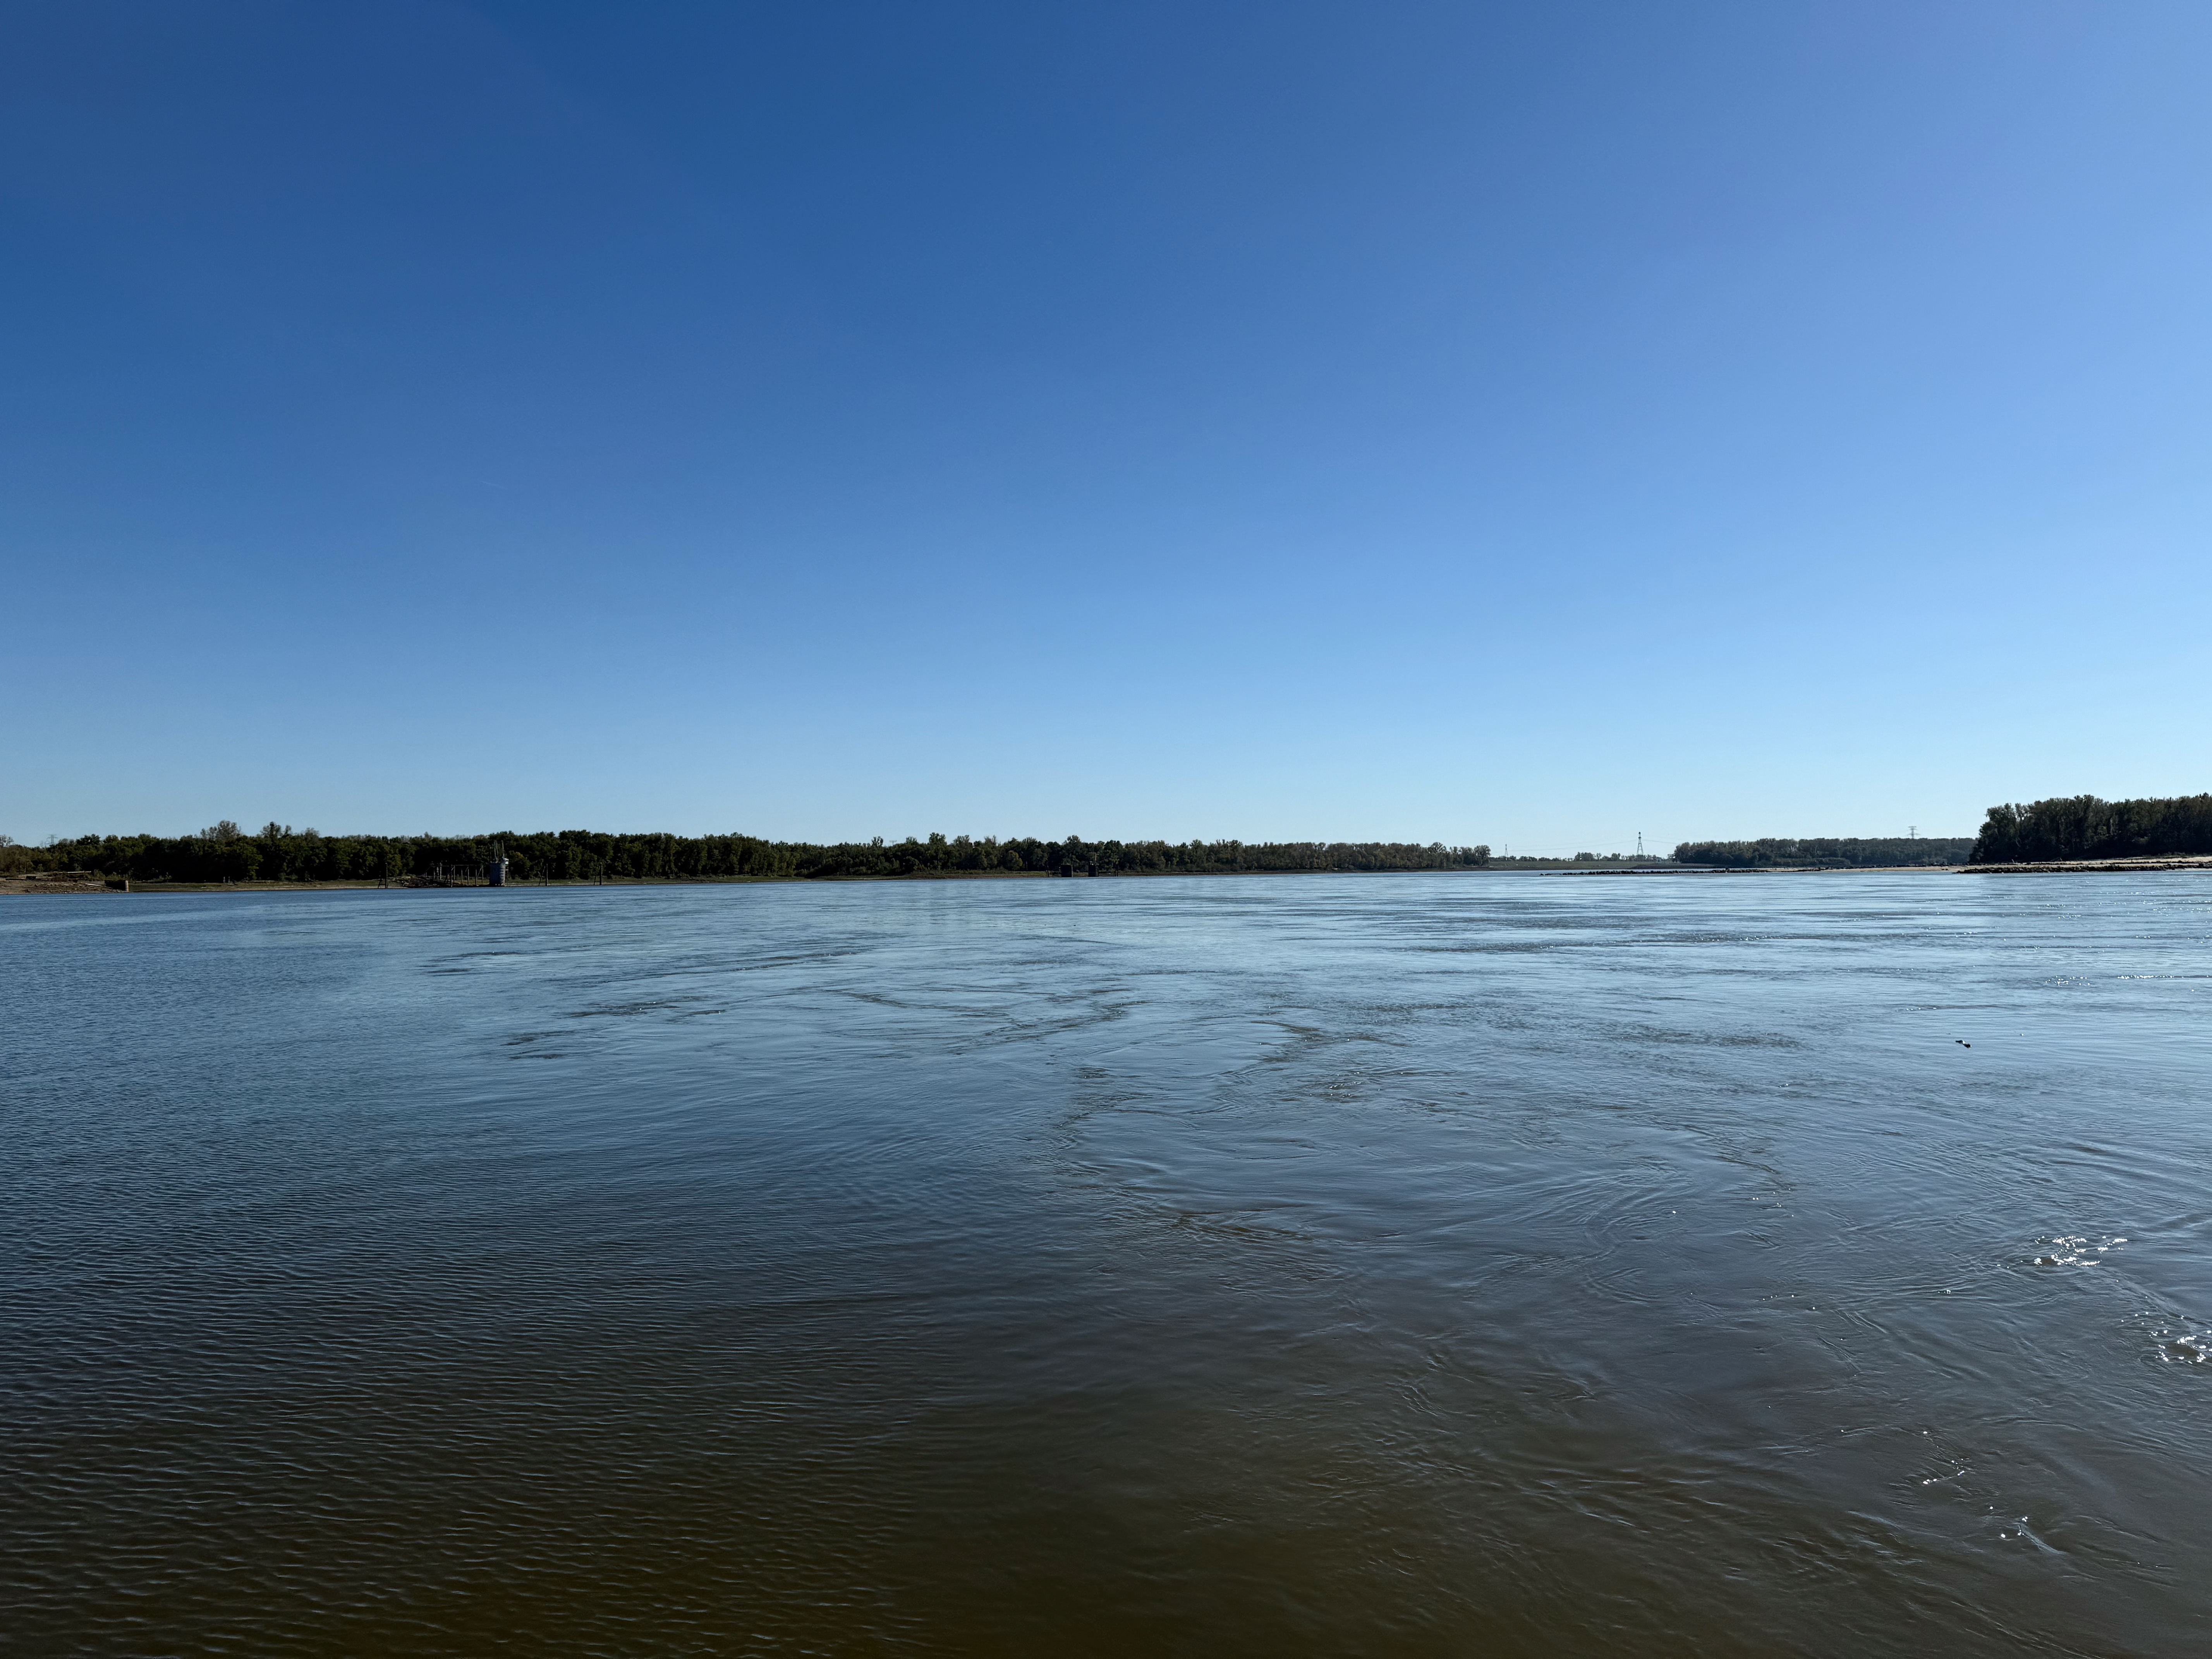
(1421, 1265)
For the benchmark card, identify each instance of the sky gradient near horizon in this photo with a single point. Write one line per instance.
(1516, 423)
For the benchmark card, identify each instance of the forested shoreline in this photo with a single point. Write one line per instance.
(2084, 827)
(2076, 827)
(279, 853)
(2065, 827)
(1826, 853)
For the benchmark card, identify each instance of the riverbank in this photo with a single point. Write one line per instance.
(2085, 866)
(2066, 866)
(74, 883)
(95, 883)
(64, 881)
(33, 884)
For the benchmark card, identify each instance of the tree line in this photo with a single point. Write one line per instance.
(2084, 827)
(279, 853)
(1826, 853)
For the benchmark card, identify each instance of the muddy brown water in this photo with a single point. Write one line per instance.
(1418, 1265)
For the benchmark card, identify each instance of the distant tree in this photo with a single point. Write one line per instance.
(1840, 853)
(2085, 827)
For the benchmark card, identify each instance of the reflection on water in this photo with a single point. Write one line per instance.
(1424, 1265)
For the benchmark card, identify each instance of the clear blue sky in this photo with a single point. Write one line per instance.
(1528, 423)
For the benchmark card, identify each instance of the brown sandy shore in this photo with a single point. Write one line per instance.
(86, 882)
(2053, 867)
(2084, 866)
(80, 882)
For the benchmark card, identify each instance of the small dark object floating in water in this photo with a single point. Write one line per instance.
(1962, 1042)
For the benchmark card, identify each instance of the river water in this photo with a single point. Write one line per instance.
(1367, 1265)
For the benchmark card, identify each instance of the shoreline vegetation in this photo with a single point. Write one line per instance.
(1884, 852)
(88, 881)
(2078, 833)
(2079, 828)
(278, 855)
(2066, 833)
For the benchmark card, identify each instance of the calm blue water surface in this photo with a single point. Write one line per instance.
(1416, 1265)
